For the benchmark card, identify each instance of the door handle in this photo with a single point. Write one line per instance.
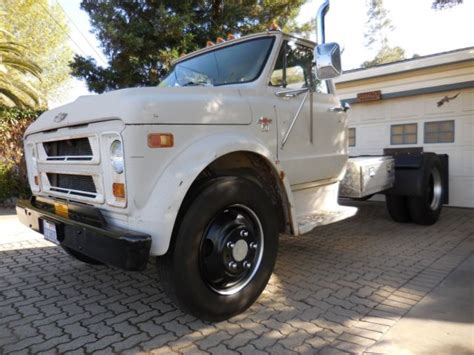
(344, 108)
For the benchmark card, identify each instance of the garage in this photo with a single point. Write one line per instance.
(425, 102)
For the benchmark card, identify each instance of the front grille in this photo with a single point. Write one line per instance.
(69, 149)
(81, 185)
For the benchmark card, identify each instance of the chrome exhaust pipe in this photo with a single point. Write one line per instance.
(321, 37)
(320, 26)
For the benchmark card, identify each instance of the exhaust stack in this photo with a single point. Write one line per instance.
(320, 26)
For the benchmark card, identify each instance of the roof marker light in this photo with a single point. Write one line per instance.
(274, 26)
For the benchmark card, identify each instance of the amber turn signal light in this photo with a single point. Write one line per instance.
(36, 178)
(160, 140)
(274, 26)
(118, 190)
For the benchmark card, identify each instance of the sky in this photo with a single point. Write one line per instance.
(418, 29)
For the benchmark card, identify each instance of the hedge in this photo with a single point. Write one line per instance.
(13, 176)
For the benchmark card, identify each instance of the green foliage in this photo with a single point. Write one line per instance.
(385, 55)
(8, 183)
(13, 175)
(141, 38)
(444, 4)
(13, 86)
(39, 27)
(379, 26)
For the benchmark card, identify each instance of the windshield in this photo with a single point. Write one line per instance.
(238, 63)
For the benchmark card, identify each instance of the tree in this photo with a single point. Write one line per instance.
(141, 38)
(385, 55)
(14, 66)
(379, 26)
(40, 28)
(444, 4)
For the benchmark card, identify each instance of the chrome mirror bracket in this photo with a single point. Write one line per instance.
(291, 93)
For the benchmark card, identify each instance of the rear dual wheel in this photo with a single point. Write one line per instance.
(426, 208)
(397, 207)
(223, 250)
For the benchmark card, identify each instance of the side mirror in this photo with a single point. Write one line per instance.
(328, 61)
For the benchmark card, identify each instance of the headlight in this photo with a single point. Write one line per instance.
(116, 156)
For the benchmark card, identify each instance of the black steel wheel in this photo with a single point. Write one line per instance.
(231, 249)
(223, 250)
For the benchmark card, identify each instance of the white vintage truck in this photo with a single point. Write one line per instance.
(242, 141)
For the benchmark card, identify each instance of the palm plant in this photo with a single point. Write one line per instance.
(15, 88)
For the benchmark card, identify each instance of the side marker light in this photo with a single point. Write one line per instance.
(160, 140)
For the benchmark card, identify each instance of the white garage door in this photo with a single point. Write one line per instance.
(418, 121)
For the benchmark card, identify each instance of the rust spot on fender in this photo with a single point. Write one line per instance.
(282, 175)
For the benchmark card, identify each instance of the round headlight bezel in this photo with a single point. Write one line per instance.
(116, 156)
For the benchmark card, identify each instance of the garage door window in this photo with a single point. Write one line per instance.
(439, 132)
(403, 133)
(352, 137)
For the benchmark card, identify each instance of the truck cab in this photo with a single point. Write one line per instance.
(242, 141)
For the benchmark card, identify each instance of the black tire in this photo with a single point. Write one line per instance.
(81, 257)
(425, 209)
(397, 207)
(224, 221)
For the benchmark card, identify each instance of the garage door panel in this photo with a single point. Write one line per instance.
(406, 108)
(466, 131)
(371, 137)
(468, 162)
(373, 111)
(467, 98)
(355, 113)
(450, 107)
(461, 191)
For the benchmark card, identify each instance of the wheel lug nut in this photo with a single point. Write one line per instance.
(253, 245)
(244, 233)
(247, 265)
(233, 265)
(230, 245)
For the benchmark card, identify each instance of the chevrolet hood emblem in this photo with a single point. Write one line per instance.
(60, 117)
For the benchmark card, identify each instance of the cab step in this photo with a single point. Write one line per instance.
(307, 222)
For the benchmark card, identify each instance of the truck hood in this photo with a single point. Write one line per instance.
(153, 105)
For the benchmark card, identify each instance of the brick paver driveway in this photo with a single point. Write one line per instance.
(338, 289)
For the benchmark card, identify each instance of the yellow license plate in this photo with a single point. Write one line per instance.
(61, 209)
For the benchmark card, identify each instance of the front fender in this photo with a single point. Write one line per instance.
(157, 216)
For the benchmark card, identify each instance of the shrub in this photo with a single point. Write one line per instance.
(7, 181)
(13, 175)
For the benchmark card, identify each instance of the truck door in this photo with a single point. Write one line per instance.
(311, 135)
